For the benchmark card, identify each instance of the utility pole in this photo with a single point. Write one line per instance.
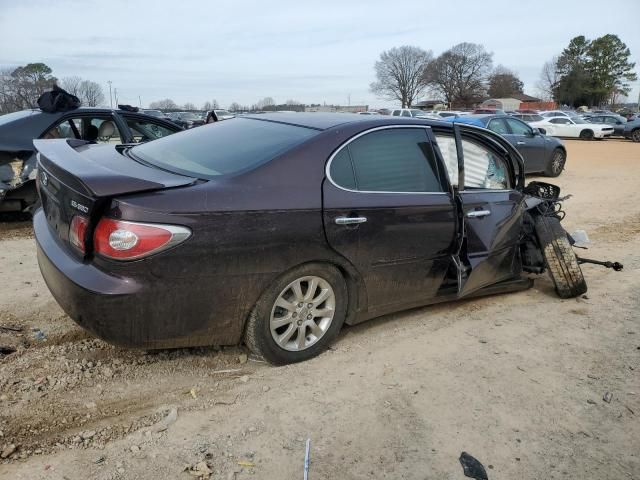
(139, 101)
(115, 95)
(110, 97)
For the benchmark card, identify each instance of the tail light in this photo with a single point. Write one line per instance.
(78, 232)
(123, 240)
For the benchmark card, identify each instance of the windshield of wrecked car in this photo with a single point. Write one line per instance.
(222, 148)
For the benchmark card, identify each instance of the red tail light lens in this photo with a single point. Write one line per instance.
(122, 240)
(78, 232)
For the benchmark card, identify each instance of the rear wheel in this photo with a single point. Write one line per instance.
(635, 135)
(559, 258)
(298, 316)
(586, 134)
(555, 164)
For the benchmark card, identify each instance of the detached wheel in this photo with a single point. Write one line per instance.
(586, 135)
(635, 135)
(556, 164)
(560, 258)
(298, 316)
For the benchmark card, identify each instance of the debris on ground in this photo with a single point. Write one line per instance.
(608, 397)
(472, 467)
(11, 328)
(306, 458)
(242, 358)
(200, 470)
(6, 350)
(246, 463)
(163, 424)
(8, 450)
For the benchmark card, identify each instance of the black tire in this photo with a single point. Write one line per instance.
(555, 165)
(635, 135)
(586, 135)
(559, 258)
(258, 337)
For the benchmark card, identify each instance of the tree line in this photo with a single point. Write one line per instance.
(267, 103)
(589, 72)
(21, 87)
(586, 73)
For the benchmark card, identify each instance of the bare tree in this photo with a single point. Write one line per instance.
(400, 74)
(266, 102)
(166, 104)
(504, 82)
(91, 94)
(548, 79)
(292, 102)
(189, 106)
(234, 107)
(460, 74)
(71, 84)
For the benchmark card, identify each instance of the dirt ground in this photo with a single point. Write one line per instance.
(517, 380)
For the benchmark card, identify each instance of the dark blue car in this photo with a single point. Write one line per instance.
(541, 154)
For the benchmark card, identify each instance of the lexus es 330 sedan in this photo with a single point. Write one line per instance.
(276, 229)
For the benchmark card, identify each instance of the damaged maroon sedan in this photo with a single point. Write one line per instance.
(276, 229)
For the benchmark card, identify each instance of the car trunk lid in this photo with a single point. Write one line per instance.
(76, 178)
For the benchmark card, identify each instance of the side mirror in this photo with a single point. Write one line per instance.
(618, 122)
(535, 131)
(541, 131)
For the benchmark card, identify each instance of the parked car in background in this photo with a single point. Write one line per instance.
(528, 117)
(155, 113)
(616, 121)
(191, 240)
(632, 130)
(488, 111)
(541, 154)
(368, 113)
(413, 113)
(186, 119)
(451, 113)
(224, 114)
(559, 113)
(574, 127)
(96, 125)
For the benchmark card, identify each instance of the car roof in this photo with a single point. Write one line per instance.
(325, 121)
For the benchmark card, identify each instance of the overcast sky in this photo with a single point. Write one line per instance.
(242, 51)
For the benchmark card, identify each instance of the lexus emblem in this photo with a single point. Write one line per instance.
(44, 178)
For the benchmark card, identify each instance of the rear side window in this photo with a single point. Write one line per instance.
(393, 160)
(498, 126)
(222, 148)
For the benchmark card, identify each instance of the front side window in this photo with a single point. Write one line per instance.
(406, 113)
(560, 121)
(497, 125)
(483, 168)
(145, 130)
(396, 113)
(517, 127)
(391, 160)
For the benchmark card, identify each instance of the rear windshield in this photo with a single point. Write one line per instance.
(222, 148)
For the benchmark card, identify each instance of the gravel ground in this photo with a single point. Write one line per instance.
(531, 385)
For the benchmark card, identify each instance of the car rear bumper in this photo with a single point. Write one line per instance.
(126, 311)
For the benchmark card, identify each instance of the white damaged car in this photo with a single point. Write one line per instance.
(573, 127)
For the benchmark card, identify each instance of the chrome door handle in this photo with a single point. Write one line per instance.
(350, 220)
(478, 213)
(521, 143)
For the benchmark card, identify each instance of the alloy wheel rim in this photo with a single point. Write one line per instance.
(302, 313)
(558, 161)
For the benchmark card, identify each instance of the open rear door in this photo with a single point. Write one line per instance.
(490, 211)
